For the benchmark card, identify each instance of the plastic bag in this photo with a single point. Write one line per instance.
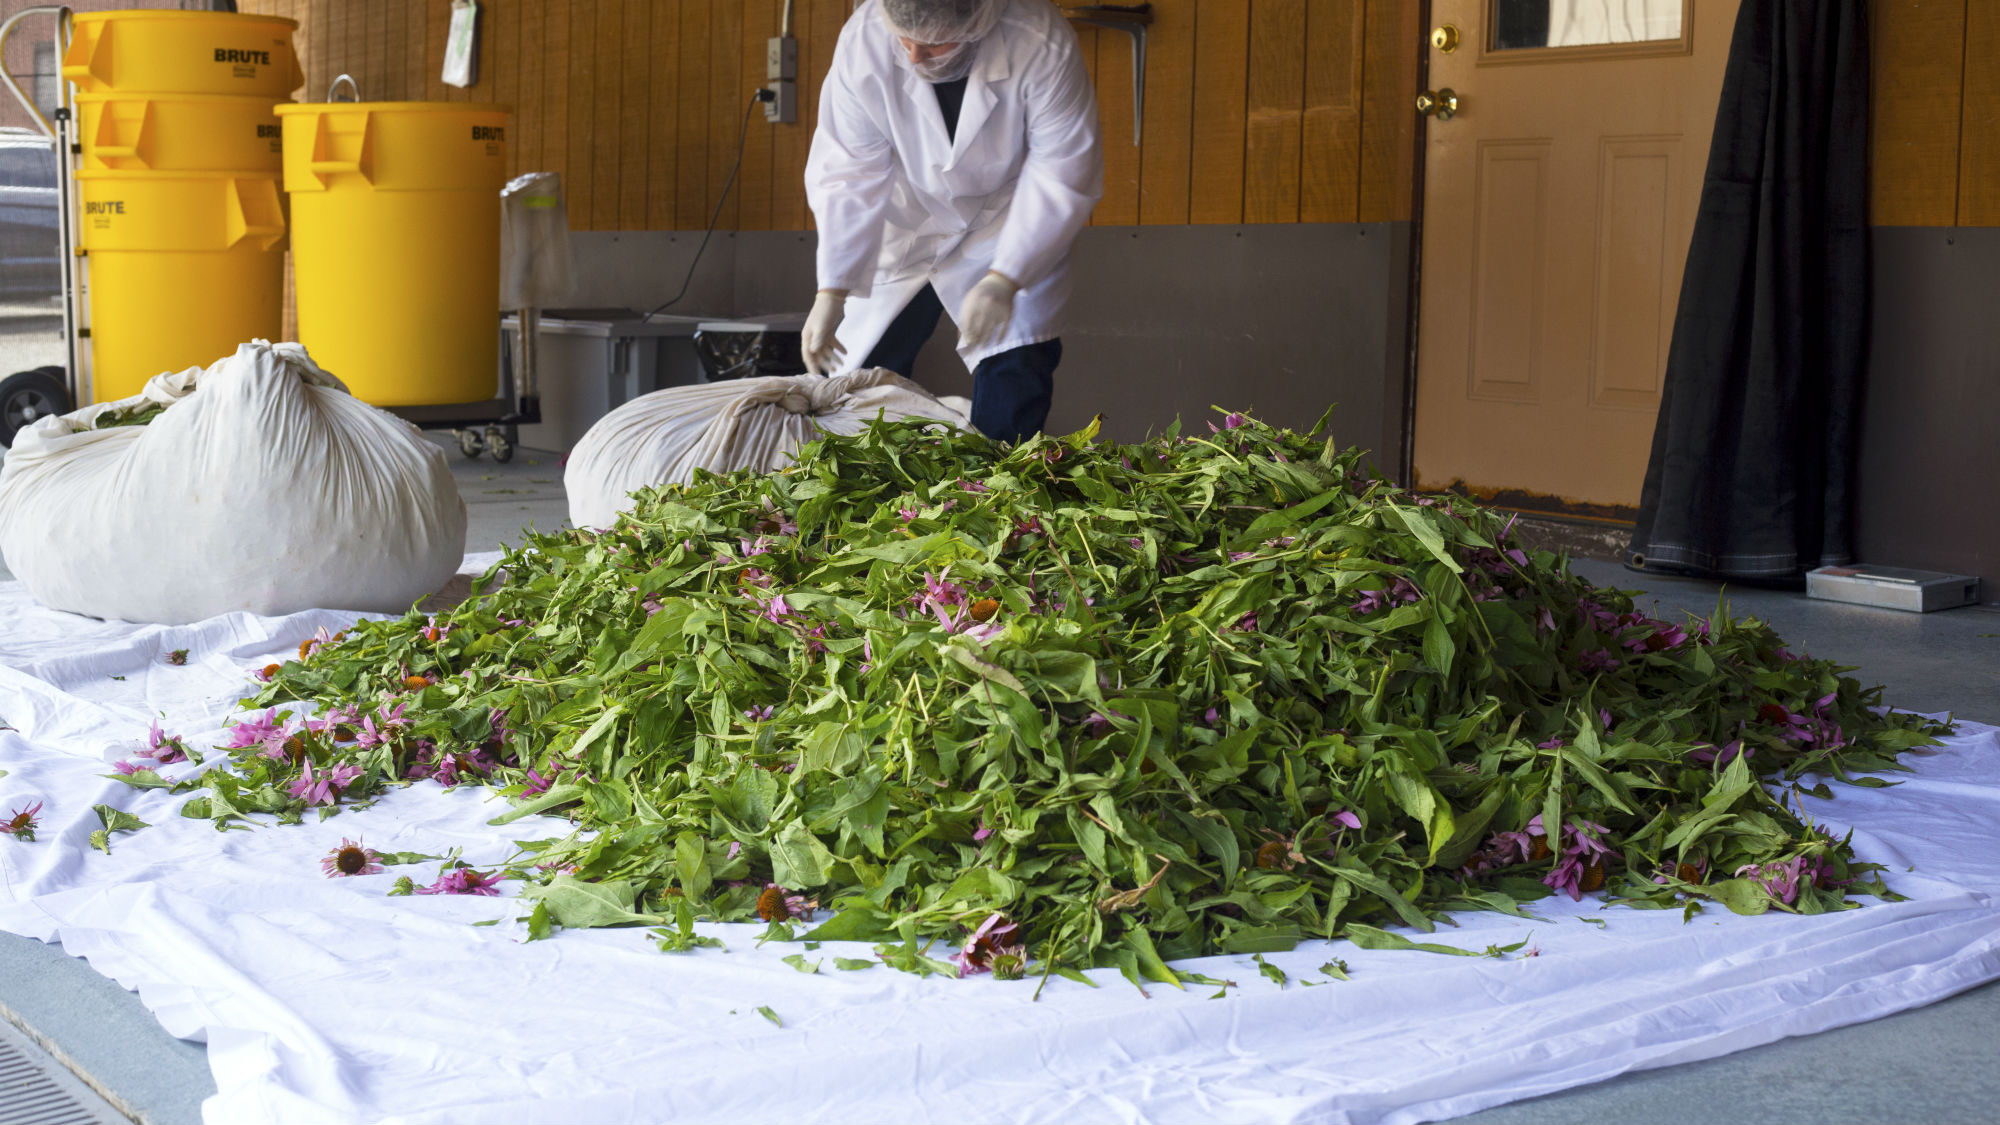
(663, 437)
(747, 351)
(262, 486)
(536, 260)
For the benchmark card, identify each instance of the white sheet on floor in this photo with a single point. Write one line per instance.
(323, 1000)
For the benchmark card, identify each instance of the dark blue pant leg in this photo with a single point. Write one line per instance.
(897, 349)
(1011, 390)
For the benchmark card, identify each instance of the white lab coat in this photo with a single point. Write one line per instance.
(900, 204)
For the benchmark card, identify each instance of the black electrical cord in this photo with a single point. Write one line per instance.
(742, 135)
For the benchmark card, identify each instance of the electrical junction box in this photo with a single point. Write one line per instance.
(783, 108)
(781, 77)
(781, 58)
(1892, 587)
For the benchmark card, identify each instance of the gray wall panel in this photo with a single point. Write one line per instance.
(1930, 424)
(1282, 320)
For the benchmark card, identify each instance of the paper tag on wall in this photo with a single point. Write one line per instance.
(461, 55)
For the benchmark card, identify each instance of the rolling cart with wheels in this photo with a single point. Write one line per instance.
(28, 395)
(493, 427)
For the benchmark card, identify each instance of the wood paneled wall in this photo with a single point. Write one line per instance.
(1256, 111)
(1936, 128)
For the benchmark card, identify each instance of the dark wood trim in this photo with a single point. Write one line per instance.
(1406, 460)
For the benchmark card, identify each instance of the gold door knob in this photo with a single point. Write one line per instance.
(1445, 39)
(1442, 103)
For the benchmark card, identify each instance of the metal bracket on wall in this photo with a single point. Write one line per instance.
(1132, 19)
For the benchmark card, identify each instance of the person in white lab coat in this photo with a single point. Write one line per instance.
(955, 161)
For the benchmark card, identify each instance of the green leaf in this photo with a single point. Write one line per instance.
(912, 957)
(983, 887)
(770, 1015)
(1071, 675)
(1469, 830)
(1375, 885)
(1270, 525)
(983, 668)
(578, 905)
(682, 938)
(557, 795)
(1150, 965)
(1741, 896)
(1427, 533)
(1368, 937)
(798, 859)
(1270, 970)
(144, 779)
(857, 922)
(539, 926)
(1262, 939)
(1414, 793)
(1216, 838)
(117, 820)
(798, 961)
(691, 866)
(592, 736)
(1599, 780)
(849, 964)
(1439, 649)
(113, 820)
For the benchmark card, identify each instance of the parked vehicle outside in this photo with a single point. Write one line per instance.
(30, 240)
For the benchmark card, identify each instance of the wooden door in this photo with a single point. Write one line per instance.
(1558, 202)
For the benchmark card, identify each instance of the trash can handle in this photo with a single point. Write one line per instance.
(345, 151)
(352, 88)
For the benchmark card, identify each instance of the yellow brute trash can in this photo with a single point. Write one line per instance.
(182, 269)
(179, 133)
(396, 245)
(182, 53)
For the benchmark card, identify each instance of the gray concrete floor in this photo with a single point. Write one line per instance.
(1930, 1065)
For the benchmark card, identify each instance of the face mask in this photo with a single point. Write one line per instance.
(948, 67)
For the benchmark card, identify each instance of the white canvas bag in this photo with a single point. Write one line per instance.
(263, 486)
(663, 437)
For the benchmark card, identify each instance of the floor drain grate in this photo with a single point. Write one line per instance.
(32, 1094)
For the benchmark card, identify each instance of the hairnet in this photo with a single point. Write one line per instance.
(943, 21)
(930, 22)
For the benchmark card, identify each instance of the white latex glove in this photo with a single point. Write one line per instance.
(817, 344)
(986, 311)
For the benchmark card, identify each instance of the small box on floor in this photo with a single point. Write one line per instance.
(1892, 587)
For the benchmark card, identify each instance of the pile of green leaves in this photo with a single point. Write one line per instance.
(1178, 674)
(132, 416)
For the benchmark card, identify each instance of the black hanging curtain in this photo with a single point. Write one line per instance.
(1752, 470)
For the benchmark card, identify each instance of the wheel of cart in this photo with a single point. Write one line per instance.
(28, 395)
(500, 442)
(492, 427)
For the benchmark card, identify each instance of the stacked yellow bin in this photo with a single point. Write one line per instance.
(396, 245)
(180, 211)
